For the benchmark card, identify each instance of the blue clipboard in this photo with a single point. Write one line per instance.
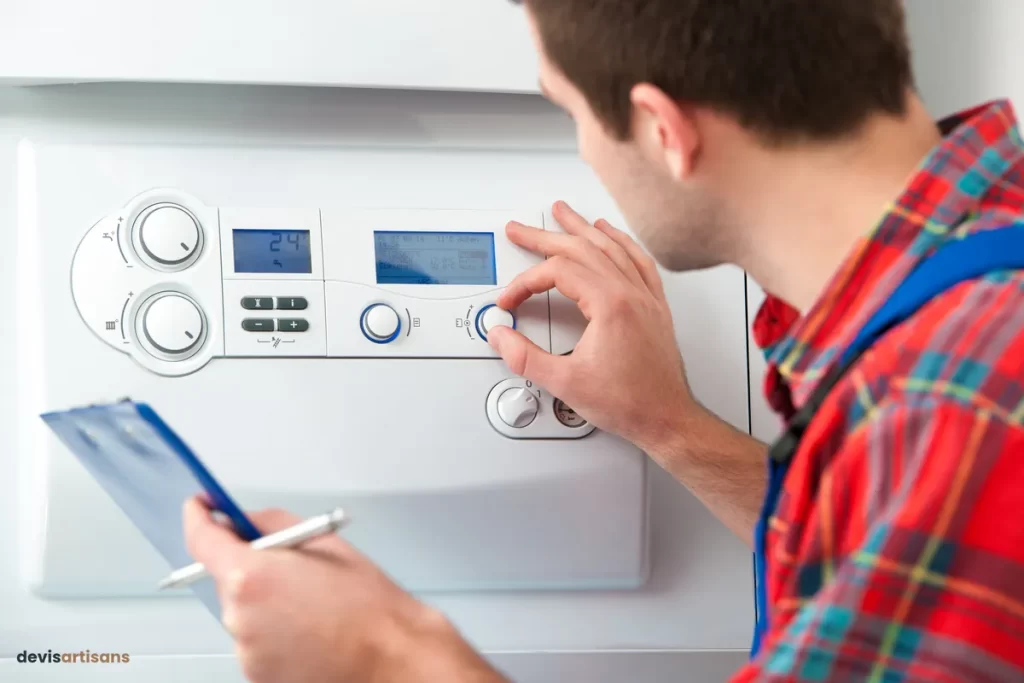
(149, 472)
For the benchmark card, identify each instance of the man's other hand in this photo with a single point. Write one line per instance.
(625, 375)
(323, 613)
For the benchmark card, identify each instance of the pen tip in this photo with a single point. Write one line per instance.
(338, 516)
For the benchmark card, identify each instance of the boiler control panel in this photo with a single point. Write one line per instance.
(176, 283)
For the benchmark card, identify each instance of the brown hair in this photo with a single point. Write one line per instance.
(787, 69)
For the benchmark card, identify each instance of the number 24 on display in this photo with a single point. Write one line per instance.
(275, 243)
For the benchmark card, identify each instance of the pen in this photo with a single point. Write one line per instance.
(286, 538)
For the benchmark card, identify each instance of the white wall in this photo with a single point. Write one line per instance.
(967, 51)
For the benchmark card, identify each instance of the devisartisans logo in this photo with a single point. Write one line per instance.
(83, 657)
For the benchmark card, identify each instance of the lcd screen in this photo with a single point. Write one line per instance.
(435, 258)
(272, 251)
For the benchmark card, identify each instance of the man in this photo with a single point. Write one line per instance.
(784, 137)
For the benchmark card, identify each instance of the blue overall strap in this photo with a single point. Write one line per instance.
(955, 262)
(972, 257)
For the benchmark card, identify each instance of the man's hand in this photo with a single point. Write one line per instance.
(626, 375)
(323, 613)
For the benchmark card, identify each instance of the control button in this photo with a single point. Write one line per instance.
(173, 324)
(169, 235)
(291, 303)
(568, 416)
(257, 303)
(258, 325)
(381, 323)
(491, 316)
(517, 407)
(292, 325)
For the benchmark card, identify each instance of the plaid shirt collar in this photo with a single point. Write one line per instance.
(979, 147)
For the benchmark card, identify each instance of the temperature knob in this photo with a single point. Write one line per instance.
(491, 316)
(173, 324)
(168, 235)
(518, 407)
(381, 324)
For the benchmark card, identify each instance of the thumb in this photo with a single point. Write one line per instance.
(526, 359)
(273, 520)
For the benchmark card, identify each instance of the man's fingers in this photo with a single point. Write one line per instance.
(536, 240)
(548, 243)
(528, 360)
(551, 244)
(211, 543)
(645, 265)
(579, 226)
(558, 273)
(597, 247)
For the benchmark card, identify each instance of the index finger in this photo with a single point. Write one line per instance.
(550, 244)
(540, 241)
(208, 542)
(644, 263)
(575, 224)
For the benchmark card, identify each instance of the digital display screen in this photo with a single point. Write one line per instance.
(435, 258)
(272, 251)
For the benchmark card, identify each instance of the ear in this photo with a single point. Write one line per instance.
(665, 130)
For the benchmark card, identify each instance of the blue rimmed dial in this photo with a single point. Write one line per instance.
(490, 316)
(380, 323)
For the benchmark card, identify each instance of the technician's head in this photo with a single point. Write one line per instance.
(673, 99)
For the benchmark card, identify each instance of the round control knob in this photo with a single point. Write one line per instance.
(168, 234)
(517, 407)
(381, 323)
(491, 316)
(173, 324)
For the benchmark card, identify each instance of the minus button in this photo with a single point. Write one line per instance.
(258, 325)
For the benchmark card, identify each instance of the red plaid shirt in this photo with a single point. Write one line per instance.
(896, 552)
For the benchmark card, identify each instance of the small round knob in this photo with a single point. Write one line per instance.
(173, 324)
(381, 323)
(517, 407)
(491, 316)
(169, 235)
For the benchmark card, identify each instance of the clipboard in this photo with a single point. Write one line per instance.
(149, 471)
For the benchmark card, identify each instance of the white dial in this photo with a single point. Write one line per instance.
(491, 317)
(381, 322)
(517, 407)
(168, 235)
(173, 324)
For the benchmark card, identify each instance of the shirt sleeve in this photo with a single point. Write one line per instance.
(916, 530)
